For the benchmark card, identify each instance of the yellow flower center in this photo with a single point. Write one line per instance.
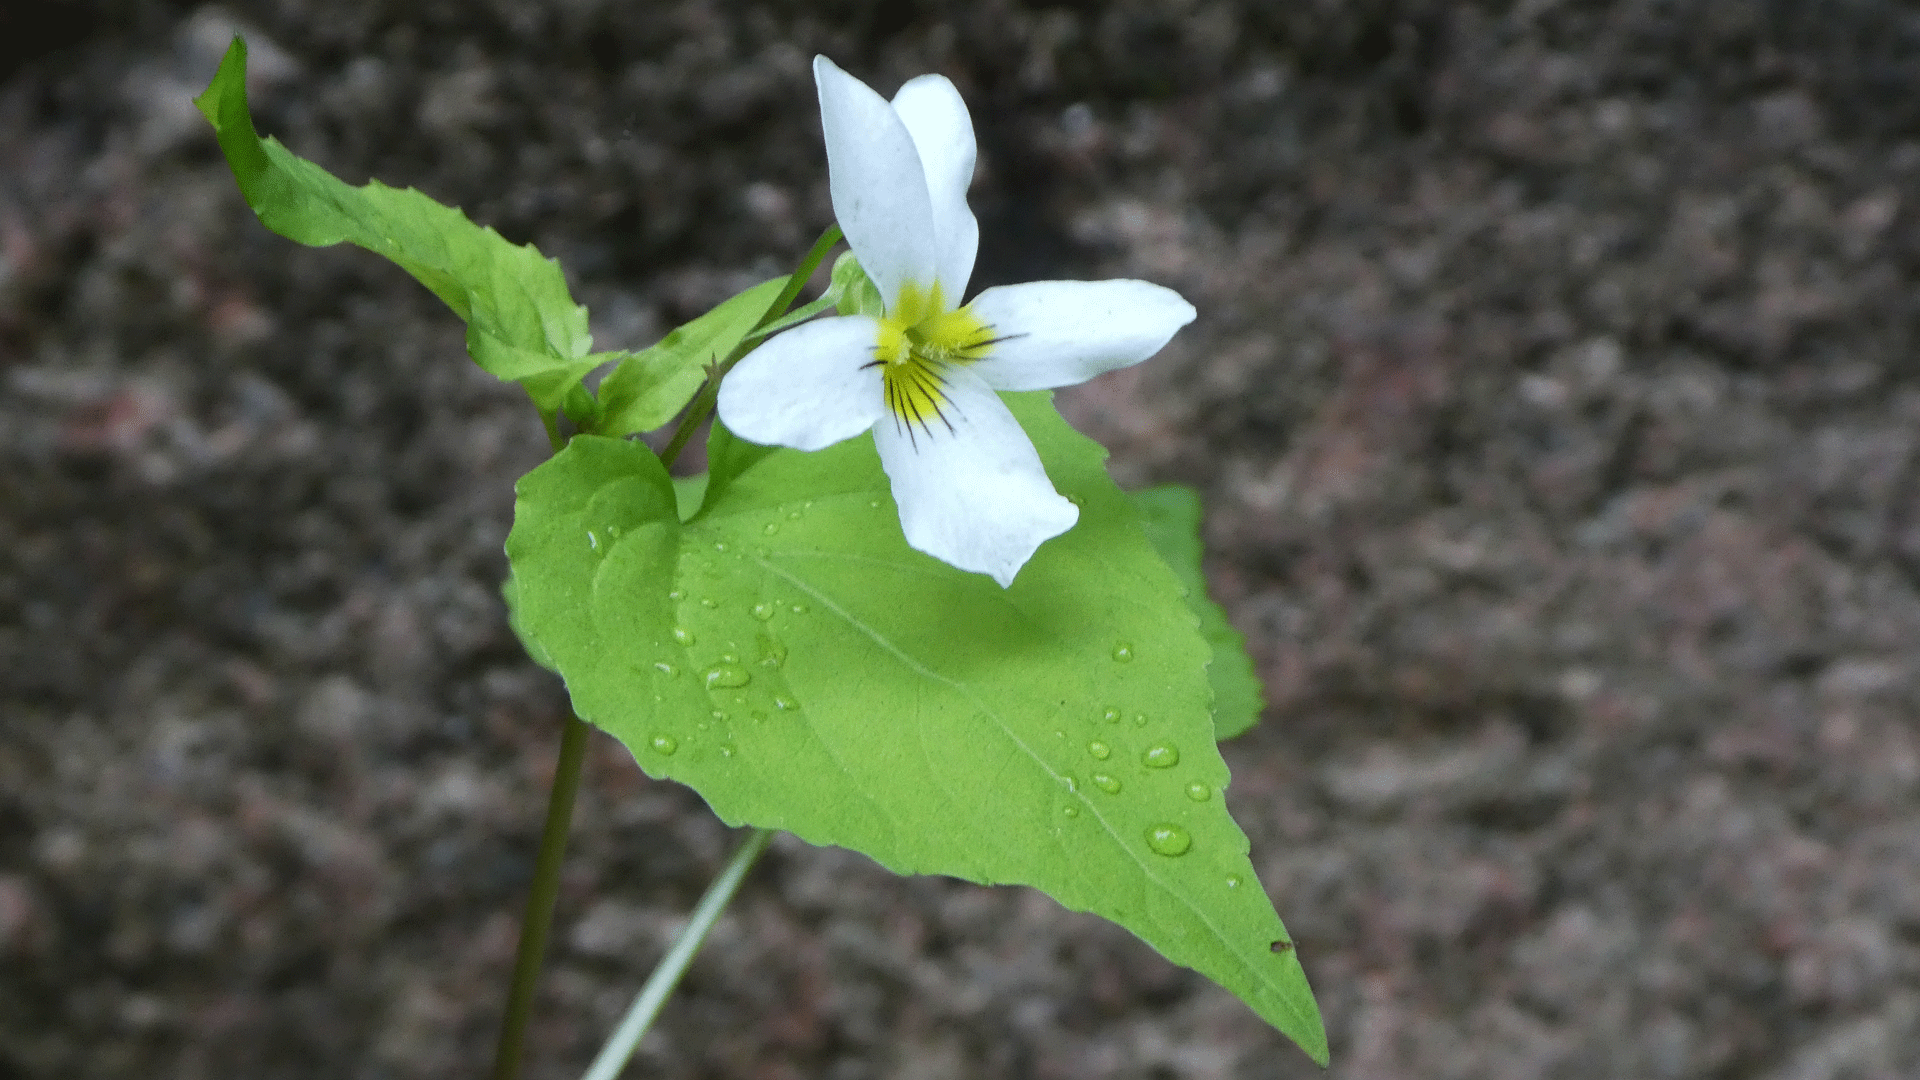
(919, 340)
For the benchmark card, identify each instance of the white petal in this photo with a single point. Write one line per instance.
(943, 133)
(807, 388)
(1058, 333)
(975, 496)
(878, 185)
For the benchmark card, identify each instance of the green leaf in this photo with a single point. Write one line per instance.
(785, 653)
(647, 388)
(522, 324)
(1170, 514)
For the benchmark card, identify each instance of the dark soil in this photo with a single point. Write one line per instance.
(1554, 395)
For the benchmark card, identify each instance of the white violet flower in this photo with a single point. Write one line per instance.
(923, 375)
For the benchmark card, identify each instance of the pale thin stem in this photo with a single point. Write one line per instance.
(633, 1027)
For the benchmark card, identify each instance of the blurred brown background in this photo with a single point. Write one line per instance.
(1554, 396)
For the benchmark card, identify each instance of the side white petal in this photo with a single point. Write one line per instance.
(878, 185)
(975, 496)
(1058, 333)
(807, 388)
(943, 133)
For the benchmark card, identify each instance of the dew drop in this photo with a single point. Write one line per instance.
(1123, 652)
(666, 669)
(763, 611)
(720, 715)
(1139, 719)
(1111, 716)
(770, 528)
(676, 595)
(1160, 756)
(1068, 783)
(682, 636)
(759, 717)
(1073, 811)
(665, 744)
(1101, 751)
(784, 703)
(709, 602)
(794, 515)
(1199, 792)
(1105, 783)
(1169, 840)
(720, 545)
(727, 749)
(729, 657)
(727, 675)
(873, 504)
(1233, 881)
(798, 609)
(592, 540)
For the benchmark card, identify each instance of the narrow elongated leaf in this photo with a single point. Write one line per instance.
(522, 324)
(650, 386)
(1170, 514)
(785, 653)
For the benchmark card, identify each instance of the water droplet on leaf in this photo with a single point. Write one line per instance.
(770, 528)
(1101, 751)
(720, 545)
(592, 540)
(1123, 652)
(1169, 840)
(709, 602)
(798, 609)
(784, 703)
(666, 669)
(665, 744)
(1111, 716)
(763, 611)
(1105, 783)
(682, 636)
(676, 595)
(1160, 756)
(727, 675)
(727, 749)
(1233, 881)
(1199, 792)
(1073, 811)
(1139, 719)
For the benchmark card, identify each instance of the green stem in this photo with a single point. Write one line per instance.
(538, 921)
(633, 1027)
(702, 403)
(540, 900)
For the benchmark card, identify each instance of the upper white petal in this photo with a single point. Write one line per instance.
(975, 496)
(807, 388)
(878, 184)
(1058, 333)
(943, 134)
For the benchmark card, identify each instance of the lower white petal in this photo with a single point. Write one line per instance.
(971, 489)
(807, 388)
(1058, 333)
